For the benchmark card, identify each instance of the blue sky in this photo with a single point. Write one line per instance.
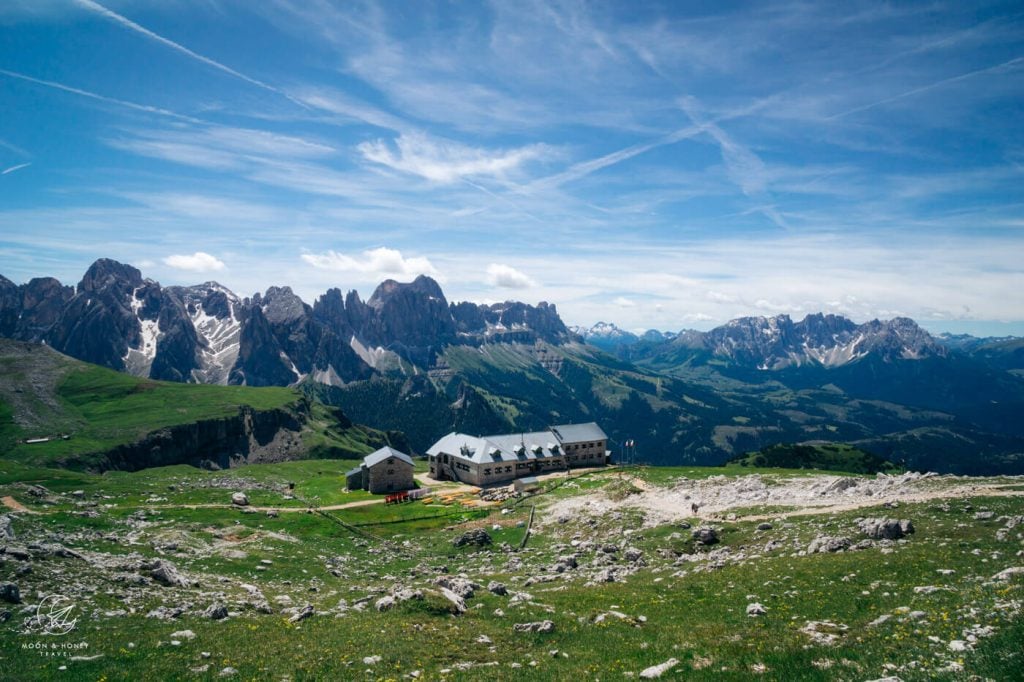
(662, 165)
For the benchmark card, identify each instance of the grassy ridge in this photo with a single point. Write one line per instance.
(824, 457)
(105, 408)
(45, 394)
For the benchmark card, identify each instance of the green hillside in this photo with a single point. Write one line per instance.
(86, 410)
(824, 457)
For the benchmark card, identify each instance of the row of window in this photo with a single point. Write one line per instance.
(577, 446)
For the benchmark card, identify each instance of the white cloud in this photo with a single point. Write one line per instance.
(623, 302)
(197, 262)
(506, 276)
(444, 161)
(376, 262)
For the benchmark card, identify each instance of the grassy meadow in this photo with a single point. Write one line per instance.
(660, 608)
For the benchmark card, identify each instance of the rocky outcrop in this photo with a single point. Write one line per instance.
(205, 333)
(249, 437)
(774, 343)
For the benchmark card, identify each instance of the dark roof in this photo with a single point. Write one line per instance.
(353, 472)
(384, 453)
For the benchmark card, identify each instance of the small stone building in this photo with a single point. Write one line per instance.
(385, 471)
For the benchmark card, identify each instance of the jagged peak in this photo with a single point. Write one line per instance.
(106, 271)
(390, 288)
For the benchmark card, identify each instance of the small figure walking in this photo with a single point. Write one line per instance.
(694, 507)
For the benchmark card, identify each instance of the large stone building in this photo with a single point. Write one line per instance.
(483, 460)
(384, 471)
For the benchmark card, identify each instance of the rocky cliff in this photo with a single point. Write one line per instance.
(250, 437)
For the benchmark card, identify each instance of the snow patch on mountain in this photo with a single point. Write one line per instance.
(138, 361)
(215, 314)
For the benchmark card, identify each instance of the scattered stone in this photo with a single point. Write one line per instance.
(1008, 573)
(228, 672)
(304, 613)
(164, 572)
(19, 553)
(183, 634)
(385, 603)
(886, 529)
(460, 586)
(756, 609)
(6, 529)
(824, 632)
(459, 602)
(633, 554)
(825, 543)
(983, 515)
(764, 526)
(497, 588)
(371, 660)
(216, 611)
(656, 671)
(240, 499)
(705, 535)
(272, 513)
(543, 626)
(10, 593)
(477, 536)
(407, 595)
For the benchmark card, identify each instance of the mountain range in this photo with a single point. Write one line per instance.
(407, 359)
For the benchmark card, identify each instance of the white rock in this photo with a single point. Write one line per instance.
(656, 671)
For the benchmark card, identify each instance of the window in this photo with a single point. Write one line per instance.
(487, 472)
(391, 471)
(508, 469)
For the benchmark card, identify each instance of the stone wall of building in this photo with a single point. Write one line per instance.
(389, 476)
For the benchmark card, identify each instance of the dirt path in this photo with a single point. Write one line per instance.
(12, 503)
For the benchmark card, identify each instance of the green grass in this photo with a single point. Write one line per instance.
(697, 617)
(110, 409)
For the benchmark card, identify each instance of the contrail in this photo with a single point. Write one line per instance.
(926, 88)
(128, 23)
(103, 98)
(14, 168)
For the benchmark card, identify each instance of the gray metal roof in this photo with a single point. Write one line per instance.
(498, 448)
(579, 433)
(384, 453)
(509, 447)
(353, 472)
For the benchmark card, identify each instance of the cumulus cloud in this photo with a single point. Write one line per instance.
(379, 261)
(624, 302)
(445, 161)
(197, 262)
(506, 276)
